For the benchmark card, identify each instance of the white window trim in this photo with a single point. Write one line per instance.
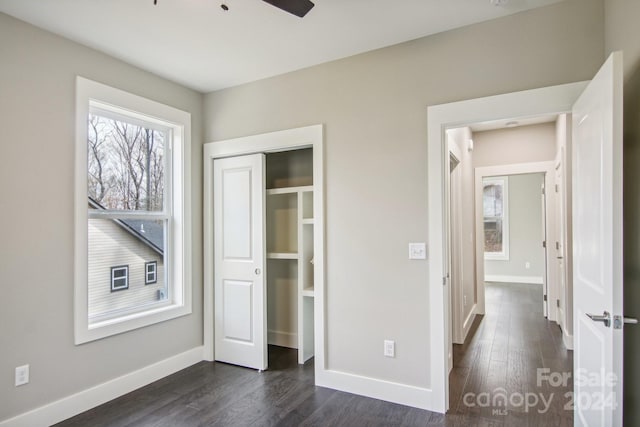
(179, 272)
(504, 254)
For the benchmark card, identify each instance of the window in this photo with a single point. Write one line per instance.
(150, 273)
(119, 278)
(132, 187)
(496, 220)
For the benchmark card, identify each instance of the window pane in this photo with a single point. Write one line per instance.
(493, 210)
(115, 243)
(125, 165)
(493, 200)
(493, 235)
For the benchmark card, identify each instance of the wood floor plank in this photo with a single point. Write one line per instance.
(504, 348)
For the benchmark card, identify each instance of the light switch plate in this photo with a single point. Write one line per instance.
(417, 251)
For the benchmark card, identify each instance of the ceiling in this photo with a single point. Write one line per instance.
(197, 44)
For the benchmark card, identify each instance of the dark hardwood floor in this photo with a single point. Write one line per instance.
(503, 354)
(507, 345)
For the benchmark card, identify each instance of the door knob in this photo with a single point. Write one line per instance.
(258, 271)
(604, 318)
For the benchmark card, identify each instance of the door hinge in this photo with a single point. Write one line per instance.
(544, 244)
(544, 298)
(557, 246)
(558, 303)
(557, 188)
(444, 281)
(543, 192)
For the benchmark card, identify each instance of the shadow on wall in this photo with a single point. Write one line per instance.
(632, 244)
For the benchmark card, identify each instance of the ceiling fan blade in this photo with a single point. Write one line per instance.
(296, 7)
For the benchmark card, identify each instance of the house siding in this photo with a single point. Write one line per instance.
(110, 245)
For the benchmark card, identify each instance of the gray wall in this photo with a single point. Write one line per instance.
(623, 33)
(374, 107)
(524, 144)
(37, 110)
(525, 229)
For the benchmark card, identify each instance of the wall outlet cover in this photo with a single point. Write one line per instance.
(22, 375)
(389, 348)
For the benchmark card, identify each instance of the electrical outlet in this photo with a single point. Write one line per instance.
(527, 265)
(22, 375)
(389, 348)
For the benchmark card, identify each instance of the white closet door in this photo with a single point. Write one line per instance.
(239, 260)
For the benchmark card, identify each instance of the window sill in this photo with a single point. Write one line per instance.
(98, 330)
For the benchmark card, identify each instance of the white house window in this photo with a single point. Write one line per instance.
(495, 205)
(119, 278)
(150, 273)
(132, 188)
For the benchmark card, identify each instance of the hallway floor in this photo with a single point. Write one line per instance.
(505, 357)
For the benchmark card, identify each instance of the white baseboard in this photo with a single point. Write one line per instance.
(69, 406)
(402, 394)
(567, 340)
(534, 280)
(283, 339)
(466, 326)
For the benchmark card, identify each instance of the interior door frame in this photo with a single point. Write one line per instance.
(454, 250)
(452, 218)
(530, 103)
(545, 168)
(285, 140)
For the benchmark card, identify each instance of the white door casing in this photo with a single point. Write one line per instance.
(529, 103)
(560, 244)
(456, 252)
(239, 261)
(452, 247)
(597, 247)
(547, 311)
(547, 207)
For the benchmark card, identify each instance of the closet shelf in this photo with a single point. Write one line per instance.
(288, 190)
(282, 255)
(307, 220)
(308, 292)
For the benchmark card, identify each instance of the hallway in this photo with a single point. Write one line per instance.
(504, 360)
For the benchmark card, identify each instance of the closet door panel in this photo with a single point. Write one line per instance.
(239, 260)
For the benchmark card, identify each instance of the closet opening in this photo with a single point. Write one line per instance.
(263, 250)
(290, 256)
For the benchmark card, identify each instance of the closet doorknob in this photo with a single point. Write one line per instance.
(257, 271)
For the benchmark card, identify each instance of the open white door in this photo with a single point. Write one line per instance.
(239, 260)
(545, 247)
(597, 250)
(560, 246)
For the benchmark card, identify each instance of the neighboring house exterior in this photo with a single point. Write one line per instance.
(126, 267)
